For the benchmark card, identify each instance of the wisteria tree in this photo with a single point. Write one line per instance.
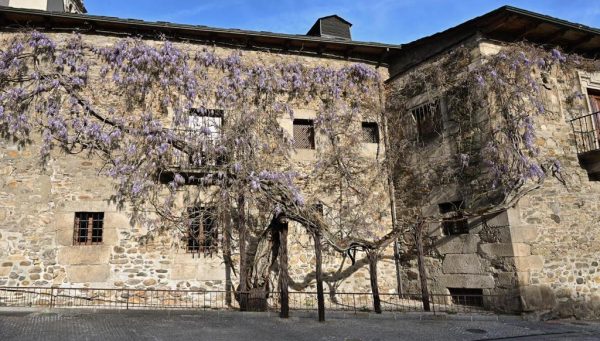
(473, 135)
(180, 127)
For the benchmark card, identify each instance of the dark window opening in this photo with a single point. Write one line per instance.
(428, 118)
(370, 132)
(455, 222)
(88, 228)
(467, 296)
(304, 134)
(202, 232)
(320, 209)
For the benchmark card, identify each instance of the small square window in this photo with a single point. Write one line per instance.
(202, 230)
(454, 223)
(370, 132)
(304, 134)
(88, 228)
(428, 119)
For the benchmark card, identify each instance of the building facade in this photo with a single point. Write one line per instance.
(540, 253)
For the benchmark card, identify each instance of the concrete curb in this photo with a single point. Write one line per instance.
(334, 315)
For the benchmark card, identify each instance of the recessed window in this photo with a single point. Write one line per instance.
(370, 132)
(201, 132)
(304, 134)
(594, 96)
(319, 209)
(202, 230)
(454, 222)
(467, 296)
(206, 121)
(88, 228)
(428, 119)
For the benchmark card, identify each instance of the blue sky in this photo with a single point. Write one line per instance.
(386, 21)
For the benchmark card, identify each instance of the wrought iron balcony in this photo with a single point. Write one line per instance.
(587, 141)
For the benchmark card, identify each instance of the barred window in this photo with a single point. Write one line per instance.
(428, 117)
(202, 230)
(304, 134)
(370, 132)
(454, 223)
(467, 296)
(88, 228)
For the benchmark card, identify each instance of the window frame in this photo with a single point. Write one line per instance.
(454, 223)
(196, 226)
(88, 237)
(310, 139)
(419, 112)
(594, 118)
(365, 134)
(197, 120)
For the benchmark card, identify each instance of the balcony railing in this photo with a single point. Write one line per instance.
(587, 132)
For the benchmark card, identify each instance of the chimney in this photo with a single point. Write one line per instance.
(332, 26)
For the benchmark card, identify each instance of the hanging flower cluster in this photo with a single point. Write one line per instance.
(147, 108)
(492, 105)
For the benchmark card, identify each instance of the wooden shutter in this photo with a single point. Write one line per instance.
(595, 101)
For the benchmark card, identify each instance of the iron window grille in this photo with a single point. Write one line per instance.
(428, 118)
(467, 296)
(456, 223)
(304, 134)
(88, 228)
(370, 132)
(202, 230)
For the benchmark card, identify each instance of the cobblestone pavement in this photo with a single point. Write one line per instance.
(170, 325)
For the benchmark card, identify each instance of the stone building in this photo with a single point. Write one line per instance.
(69, 6)
(543, 250)
(79, 238)
(541, 255)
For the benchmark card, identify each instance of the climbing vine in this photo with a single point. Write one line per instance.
(130, 103)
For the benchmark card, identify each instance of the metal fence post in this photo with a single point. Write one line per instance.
(52, 297)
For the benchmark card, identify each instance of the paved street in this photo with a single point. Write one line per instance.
(164, 325)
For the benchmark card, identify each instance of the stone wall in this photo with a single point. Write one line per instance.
(38, 204)
(543, 252)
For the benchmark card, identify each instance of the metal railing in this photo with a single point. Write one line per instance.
(587, 132)
(122, 298)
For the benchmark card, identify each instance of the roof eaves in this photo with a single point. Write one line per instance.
(207, 29)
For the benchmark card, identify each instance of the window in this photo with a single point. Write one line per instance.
(304, 134)
(454, 223)
(207, 121)
(594, 100)
(466, 296)
(595, 103)
(428, 118)
(88, 228)
(370, 132)
(202, 230)
(203, 128)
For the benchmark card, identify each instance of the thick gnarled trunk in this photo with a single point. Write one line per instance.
(283, 270)
(319, 276)
(373, 258)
